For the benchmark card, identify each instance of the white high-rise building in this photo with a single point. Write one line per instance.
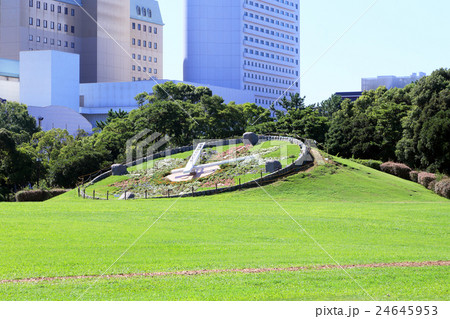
(105, 33)
(251, 45)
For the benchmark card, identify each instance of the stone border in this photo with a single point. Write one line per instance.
(303, 158)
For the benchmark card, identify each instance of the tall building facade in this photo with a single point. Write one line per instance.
(117, 40)
(251, 45)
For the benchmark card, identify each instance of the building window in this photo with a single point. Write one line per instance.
(30, 21)
(144, 27)
(133, 68)
(139, 68)
(149, 13)
(149, 70)
(144, 69)
(156, 46)
(31, 3)
(149, 59)
(45, 23)
(156, 30)
(139, 26)
(59, 9)
(133, 41)
(45, 6)
(38, 4)
(52, 41)
(144, 44)
(72, 45)
(59, 43)
(66, 44)
(144, 58)
(52, 25)
(144, 12)
(66, 10)
(133, 56)
(38, 22)
(72, 29)
(38, 39)
(30, 37)
(149, 29)
(59, 26)
(45, 40)
(156, 71)
(139, 57)
(139, 43)
(138, 10)
(133, 26)
(52, 8)
(66, 28)
(72, 12)
(155, 60)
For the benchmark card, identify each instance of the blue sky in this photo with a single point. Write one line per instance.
(395, 37)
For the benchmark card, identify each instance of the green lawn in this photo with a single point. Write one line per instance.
(357, 214)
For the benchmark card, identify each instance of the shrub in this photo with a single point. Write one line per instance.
(425, 178)
(443, 188)
(57, 191)
(38, 195)
(414, 176)
(432, 185)
(369, 163)
(397, 169)
(32, 196)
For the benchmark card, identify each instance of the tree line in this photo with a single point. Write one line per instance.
(410, 125)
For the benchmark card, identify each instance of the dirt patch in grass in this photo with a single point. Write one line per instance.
(247, 271)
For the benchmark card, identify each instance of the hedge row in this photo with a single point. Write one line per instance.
(443, 188)
(397, 169)
(428, 180)
(38, 195)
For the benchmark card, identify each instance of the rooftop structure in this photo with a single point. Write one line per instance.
(389, 81)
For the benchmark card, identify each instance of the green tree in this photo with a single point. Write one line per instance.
(330, 106)
(112, 115)
(17, 165)
(425, 141)
(170, 91)
(75, 160)
(15, 118)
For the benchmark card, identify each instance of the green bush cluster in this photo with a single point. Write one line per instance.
(369, 163)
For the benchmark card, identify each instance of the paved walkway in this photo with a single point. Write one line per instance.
(318, 159)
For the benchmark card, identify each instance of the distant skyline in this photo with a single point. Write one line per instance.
(398, 37)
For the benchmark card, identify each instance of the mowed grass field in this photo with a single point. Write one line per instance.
(358, 215)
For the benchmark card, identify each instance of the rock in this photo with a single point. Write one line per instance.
(250, 138)
(119, 170)
(273, 166)
(128, 194)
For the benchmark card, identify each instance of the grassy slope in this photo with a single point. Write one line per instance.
(359, 215)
